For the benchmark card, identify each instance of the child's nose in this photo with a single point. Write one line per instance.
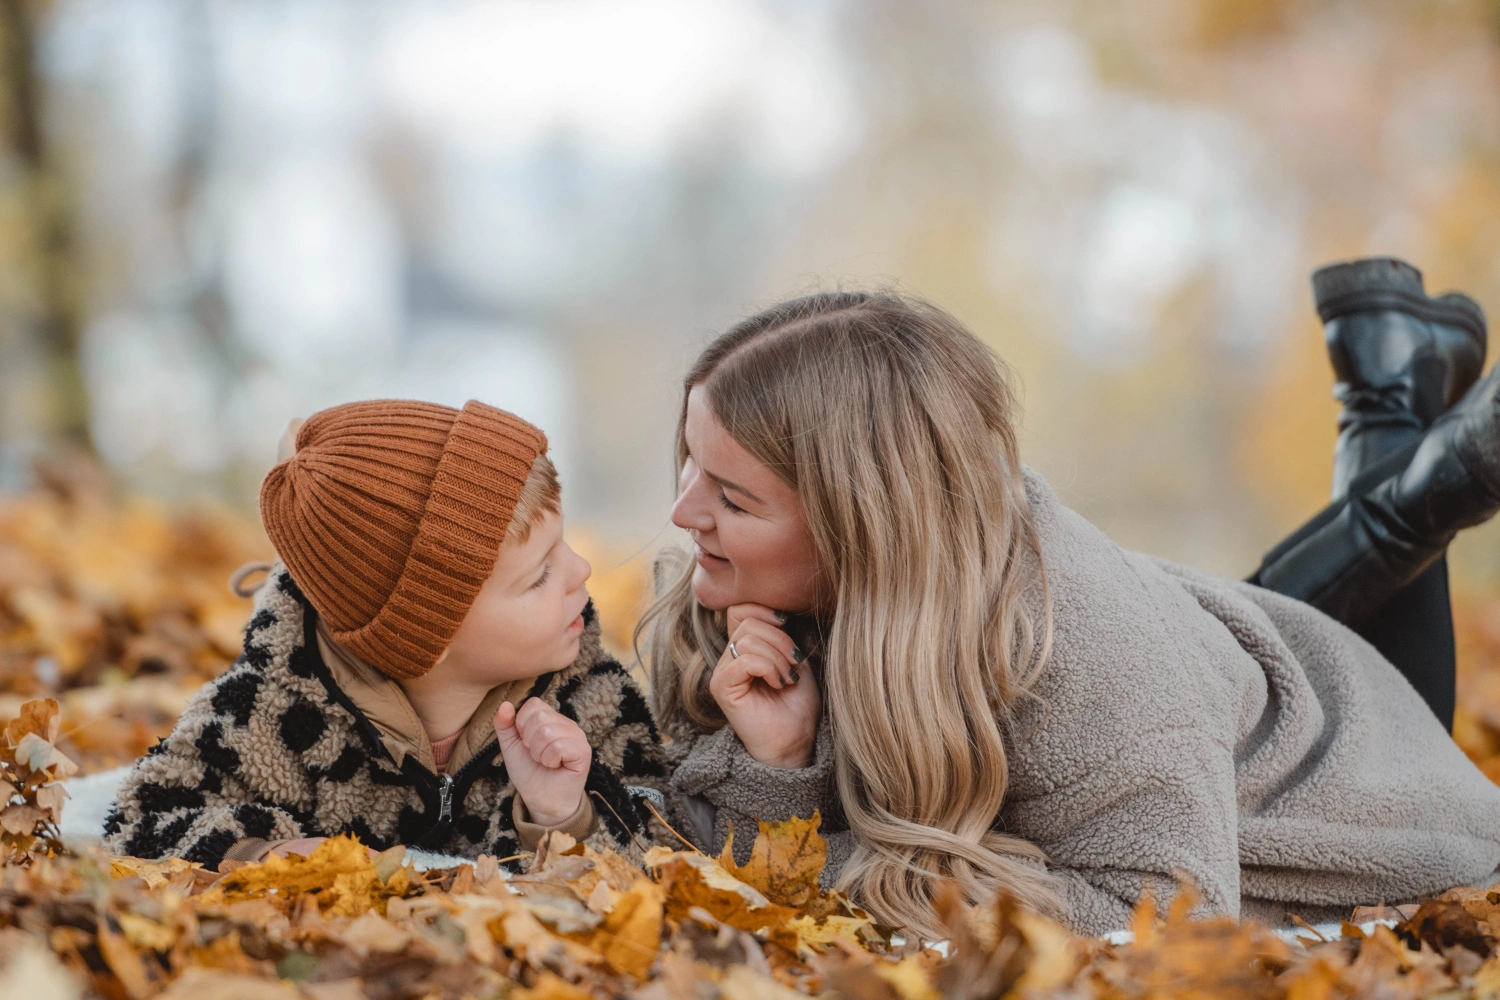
(581, 571)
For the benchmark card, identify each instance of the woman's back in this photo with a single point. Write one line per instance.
(1189, 724)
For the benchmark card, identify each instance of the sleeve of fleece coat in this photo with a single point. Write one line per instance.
(190, 797)
(717, 784)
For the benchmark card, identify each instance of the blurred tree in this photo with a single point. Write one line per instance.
(45, 301)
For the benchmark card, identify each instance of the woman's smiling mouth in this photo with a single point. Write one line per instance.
(707, 559)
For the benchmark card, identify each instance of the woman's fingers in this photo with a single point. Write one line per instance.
(756, 637)
(783, 643)
(757, 659)
(754, 612)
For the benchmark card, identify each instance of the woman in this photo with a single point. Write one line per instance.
(888, 619)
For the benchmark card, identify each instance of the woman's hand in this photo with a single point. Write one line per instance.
(772, 703)
(547, 757)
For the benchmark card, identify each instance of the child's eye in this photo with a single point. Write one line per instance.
(730, 504)
(546, 572)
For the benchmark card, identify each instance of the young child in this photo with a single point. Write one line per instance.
(423, 665)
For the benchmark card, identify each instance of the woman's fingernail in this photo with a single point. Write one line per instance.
(795, 677)
(797, 655)
(780, 616)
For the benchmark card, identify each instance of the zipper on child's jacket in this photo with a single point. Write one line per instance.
(451, 788)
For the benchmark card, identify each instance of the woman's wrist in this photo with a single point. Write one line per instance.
(793, 758)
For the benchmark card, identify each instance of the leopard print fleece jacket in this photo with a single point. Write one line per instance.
(274, 749)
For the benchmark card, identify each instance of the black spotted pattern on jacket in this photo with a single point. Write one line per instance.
(274, 749)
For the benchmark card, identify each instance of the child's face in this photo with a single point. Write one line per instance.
(528, 615)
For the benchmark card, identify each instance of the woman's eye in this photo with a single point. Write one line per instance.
(729, 504)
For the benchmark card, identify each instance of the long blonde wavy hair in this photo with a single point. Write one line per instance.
(893, 424)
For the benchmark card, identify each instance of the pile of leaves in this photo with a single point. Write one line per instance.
(574, 923)
(116, 606)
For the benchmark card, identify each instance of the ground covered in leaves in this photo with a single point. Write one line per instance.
(572, 923)
(118, 609)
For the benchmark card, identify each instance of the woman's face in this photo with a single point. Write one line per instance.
(751, 540)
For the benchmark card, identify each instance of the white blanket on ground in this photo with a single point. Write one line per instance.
(90, 797)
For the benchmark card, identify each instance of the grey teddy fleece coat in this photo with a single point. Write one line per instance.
(1185, 724)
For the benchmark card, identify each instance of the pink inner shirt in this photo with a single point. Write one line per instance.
(443, 749)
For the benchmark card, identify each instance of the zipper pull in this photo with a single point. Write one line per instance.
(445, 799)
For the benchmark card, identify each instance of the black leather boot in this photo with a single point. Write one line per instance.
(1359, 553)
(1401, 357)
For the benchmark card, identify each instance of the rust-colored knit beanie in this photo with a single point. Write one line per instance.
(390, 517)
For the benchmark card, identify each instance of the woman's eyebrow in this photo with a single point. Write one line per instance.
(726, 484)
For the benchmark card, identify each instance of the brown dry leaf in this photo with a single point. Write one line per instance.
(217, 984)
(37, 754)
(630, 935)
(742, 983)
(124, 961)
(38, 718)
(690, 880)
(21, 818)
(552, 987)
(1443, 924)
(369, 933)
(785, 860)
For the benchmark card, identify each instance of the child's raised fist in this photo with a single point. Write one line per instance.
(547, 757)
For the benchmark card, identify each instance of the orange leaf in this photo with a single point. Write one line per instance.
(785, 861)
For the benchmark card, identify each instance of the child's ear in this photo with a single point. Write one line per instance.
(287, 446)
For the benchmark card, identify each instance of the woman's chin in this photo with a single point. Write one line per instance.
(708, 592)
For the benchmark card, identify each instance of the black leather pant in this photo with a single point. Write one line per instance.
(1413, 629)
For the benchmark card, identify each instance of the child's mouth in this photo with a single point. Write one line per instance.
(575, 627)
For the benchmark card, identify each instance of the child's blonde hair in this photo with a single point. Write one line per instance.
(541, 495)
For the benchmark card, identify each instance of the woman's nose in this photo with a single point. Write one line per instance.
(690, 513)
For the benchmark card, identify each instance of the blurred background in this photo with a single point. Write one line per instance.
(219, 214)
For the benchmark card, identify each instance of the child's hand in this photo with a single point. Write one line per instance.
(547, 757)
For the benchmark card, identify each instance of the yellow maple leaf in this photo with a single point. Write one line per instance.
(155, 873)
(785, 861)
(340, 872)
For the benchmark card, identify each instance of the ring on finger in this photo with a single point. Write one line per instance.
(734, 654)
